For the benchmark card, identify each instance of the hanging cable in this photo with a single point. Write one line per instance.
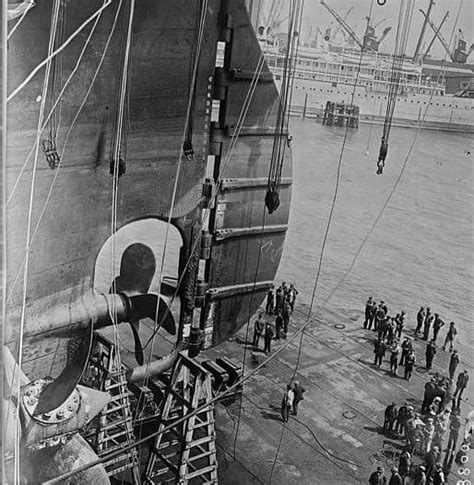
(272, 198)
(403, 28)
(52, 36)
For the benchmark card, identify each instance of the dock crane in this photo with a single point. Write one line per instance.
(343, 24)
(459, 55)
(369, 41)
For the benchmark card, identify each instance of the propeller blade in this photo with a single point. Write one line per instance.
(138, 344)
(59, 390)
(143, 306)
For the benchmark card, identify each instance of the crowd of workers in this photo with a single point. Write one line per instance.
(425, 431)
(279, 304)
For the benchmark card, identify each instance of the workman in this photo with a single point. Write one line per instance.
(452, 332)
(438, 324)
(453, 363)
(270, 302)
(287, 403)
(461, 384)
(429, 354)
(406, 347)
(377, 477)
(420, 318)
(427, 325)
(268, 337)
(258, 327)
(409, 364)
(298, 391)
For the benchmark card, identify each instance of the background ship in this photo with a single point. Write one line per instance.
(327, 70)
(119, 114)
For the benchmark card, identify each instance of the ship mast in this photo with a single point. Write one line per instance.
(422, 33)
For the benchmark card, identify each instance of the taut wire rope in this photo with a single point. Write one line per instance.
(53, 32)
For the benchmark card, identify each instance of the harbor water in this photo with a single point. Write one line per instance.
(420, 252)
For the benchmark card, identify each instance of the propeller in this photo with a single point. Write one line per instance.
(137, 269)
(78, 350)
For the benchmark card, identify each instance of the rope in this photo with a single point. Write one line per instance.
(321, 257)
(91, 84)
(54, 20)
(57, 51)
(403, 29)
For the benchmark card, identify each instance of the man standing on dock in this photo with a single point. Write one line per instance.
(368, 313)
(437, 325)
(287, 403)
(298, 391)
(453, 363)
(410, 360)
(450, 337)
(406, 347)
(270, 302)
(268, 338)
(427, 325)
(377, 477)
(420, 318)
(430, 353)
(379, 352)
(461, 384)
(258, 329)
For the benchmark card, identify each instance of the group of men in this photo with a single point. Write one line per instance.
(280, 304)
(440, 412)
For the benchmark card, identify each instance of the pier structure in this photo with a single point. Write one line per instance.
(341, 114)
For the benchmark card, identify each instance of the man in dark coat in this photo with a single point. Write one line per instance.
(278, 325)
(406, 347)
(367, 312)
(452, 332)
(420, 318)
(258, 329)
(453, 363)
(429, 354)
(377, 477)
(379, 351)
(379, 316)
(461, 384)
(298, 392)
(372, 312)
(420, 476)
(395, 478)
(430, 393)
(390, 416)
(404, 464)
(268, 338)
(270, 302)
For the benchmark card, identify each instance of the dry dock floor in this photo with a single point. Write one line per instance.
(340, 419)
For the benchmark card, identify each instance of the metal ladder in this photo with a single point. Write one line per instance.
(186, 453)
(114, 428)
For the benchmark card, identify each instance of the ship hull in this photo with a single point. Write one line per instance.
(66, 213)
(447, 113)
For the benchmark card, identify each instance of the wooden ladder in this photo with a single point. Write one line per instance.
(185, 454)
(114, 428)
